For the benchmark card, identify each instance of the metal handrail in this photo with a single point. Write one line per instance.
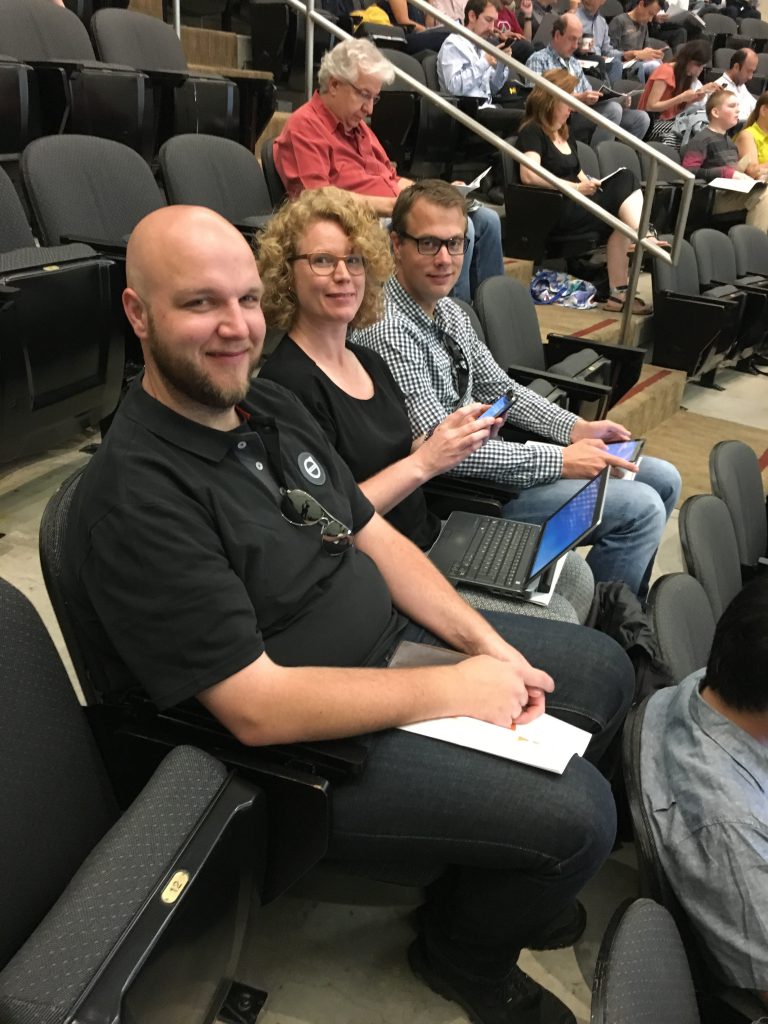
(313, 17)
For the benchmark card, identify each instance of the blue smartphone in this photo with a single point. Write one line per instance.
(499, 407)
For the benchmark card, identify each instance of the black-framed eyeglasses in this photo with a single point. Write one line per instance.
(325, 263)
(365, 96)
(301, 509)
(429, 245)
(459, 364)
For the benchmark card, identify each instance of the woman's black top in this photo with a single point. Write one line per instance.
(369, 434)
(533, 140)
(573, 216)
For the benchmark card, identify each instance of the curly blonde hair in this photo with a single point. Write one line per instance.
(279, 242)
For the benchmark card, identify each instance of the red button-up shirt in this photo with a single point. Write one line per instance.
(314, 149)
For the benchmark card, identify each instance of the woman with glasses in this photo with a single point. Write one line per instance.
(323, 260)
(544, 139)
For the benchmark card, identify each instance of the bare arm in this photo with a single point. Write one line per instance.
(458, 436)
(528, 177)
(400, 14)
(656, 105)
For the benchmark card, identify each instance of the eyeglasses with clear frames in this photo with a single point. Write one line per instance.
(325, 263)
(429, 245)
(365, 96)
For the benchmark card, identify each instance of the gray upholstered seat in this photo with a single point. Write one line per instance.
(62, 354)
(82, 187)
(204, 170)
(735, 476)
(642, 972)
(80, 885)
(184, 100)
(709, 549)
(682, 621)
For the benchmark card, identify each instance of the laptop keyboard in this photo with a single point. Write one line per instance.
(494, 553)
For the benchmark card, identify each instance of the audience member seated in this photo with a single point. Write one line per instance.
(219, 550)
(349, 389)
(738, 9)
(704, 763)
(464, 69)
(327, 142)
(440, 365)
(595, 41)
(742, 67)
(559, 55)
(674, 94)
(516, 25)
(752, 142)
(712, 154)
(544, 138)
(412, 19)
(629, 34)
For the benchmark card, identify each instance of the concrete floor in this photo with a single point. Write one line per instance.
(333, 951)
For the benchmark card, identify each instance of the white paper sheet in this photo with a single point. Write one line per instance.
(544, 743)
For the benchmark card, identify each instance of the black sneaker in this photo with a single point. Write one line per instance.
(564, 931)
(517, 999)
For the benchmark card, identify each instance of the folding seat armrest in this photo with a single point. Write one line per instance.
(68, 66)
(576, 387)
(706, 299)
(446, 494)
(106, 247)
(722, 291)
(7, 295)
(179, 863)
(166, 76)
(294, 778)
(626, 362)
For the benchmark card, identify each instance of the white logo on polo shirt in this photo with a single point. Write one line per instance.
(310, 468)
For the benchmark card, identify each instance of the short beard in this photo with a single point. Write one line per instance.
(189, 380)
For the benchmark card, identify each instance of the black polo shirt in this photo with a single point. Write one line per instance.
(182, 568)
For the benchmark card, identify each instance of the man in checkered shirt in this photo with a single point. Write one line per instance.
(440, 364)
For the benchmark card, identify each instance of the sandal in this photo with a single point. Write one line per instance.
(653, 238)
(615, 304)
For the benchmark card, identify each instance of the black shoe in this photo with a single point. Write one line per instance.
(517, 999)
(564, 931)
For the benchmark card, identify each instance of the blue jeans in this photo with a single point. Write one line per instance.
(484, 257)
(636, 122)
(518, 843)
(636, 511)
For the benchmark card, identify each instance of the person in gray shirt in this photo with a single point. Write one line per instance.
(704, 765)
(628, 33)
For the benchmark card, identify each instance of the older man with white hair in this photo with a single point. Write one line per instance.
(328, 142)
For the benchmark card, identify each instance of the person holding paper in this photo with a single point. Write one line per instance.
(559, 55)
(711, 154)
(351, 392)
(219, 551)
(328, 142)
(596, 29)
(544, 138)
(629, 34)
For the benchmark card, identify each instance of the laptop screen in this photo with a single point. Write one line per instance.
(570, 523)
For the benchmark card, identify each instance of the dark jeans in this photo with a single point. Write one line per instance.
(519, 843)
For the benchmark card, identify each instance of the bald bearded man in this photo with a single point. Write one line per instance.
(220, 551)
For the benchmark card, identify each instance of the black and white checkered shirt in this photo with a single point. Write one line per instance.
(417, 352)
